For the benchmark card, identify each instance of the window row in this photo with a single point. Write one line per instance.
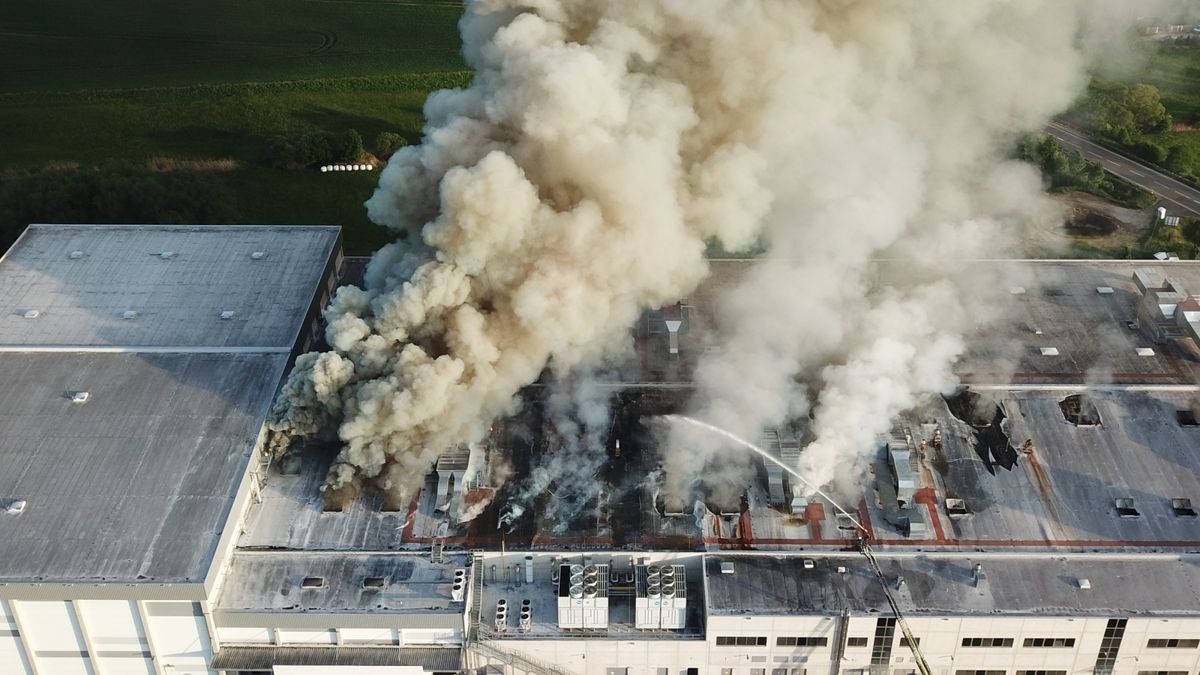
(987, 642)
(1172, 643)
(761, 641)
(802, 641)
(1049, 642)
(741, 641)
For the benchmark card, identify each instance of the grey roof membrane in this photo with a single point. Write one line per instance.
(1034, 585)
(82, 300)
(272, 582)
(134, 483)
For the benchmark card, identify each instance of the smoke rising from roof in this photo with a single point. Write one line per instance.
(602, 145)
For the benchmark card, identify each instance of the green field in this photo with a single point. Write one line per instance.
(84, 83)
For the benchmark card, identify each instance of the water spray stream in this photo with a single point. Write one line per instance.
(769, 457)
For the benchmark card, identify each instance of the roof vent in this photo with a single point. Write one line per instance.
(1017, 290)
(1182, 507)
(956, 508)
(1085, 584)
(1049, 351)
(80, 397)
(1186, 418)
(129, 314)
(809, 563)
(167, 255)
(75, 255)
(1145, 351)
(1104, 290)
(374, 583)
(15, 506)
(1125, 507)
(312, 582)
(842, 569)
(31, 314)
(258, 255)
(228, 314)
(726, 568)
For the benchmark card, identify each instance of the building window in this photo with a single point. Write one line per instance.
(727, 671)
(801, 642)
(617, 671)
(1162, 672)
(980, 672)
(662, 671)
(987, 642)
(1106, 658)
(881, 648)
(758, 671)
(1049, 642)
(779, 671)
(741, 641)
(904, 642)
(1041, 672)
(1172, 643)
(856, 642)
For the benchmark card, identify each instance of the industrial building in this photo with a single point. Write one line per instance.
(1040, 521)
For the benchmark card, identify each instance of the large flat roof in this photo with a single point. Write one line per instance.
(946, 585)
(82, 279)
(135, 483)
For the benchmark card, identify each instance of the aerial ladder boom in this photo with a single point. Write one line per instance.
(865, 549)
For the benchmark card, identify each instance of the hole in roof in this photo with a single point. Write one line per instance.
(1125, 508)
(374, 582)
(1182, 506)
(312, 582)
(986, 418)
(1080, 411)
(1186, 418)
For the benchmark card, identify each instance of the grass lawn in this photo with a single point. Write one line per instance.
(1176, 73)
(86, 82)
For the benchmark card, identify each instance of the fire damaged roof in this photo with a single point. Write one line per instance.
(948, 585)
(130, 407)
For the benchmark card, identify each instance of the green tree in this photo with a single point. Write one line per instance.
(1145, 105)
(388, 142)
(352, 146)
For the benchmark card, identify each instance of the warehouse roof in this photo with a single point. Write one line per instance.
(123, 441)
(946, 585)
(160, 286)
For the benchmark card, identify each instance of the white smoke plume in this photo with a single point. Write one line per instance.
(889, 142)
(602, 145)
(567, 474)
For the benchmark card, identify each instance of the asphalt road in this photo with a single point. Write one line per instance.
(1178, 198)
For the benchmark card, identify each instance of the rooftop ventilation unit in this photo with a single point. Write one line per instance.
(167, 255)
(1104, 290)
(660, 597)
(258, 255)
(312, 582)
(1182, 507)
(228, 314)
(583, 596)
(726, 568)
(1085, 584)
(75, 255)
(373, 583)
(129, 314)
(956, 508)
(809, 563)
(1125, 508)
(80, 397)
(458, 589)
(14, 506)
(30, 314)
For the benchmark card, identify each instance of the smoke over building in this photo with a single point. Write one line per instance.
(603, 147)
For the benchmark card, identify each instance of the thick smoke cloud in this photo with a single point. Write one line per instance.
(602, 145)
